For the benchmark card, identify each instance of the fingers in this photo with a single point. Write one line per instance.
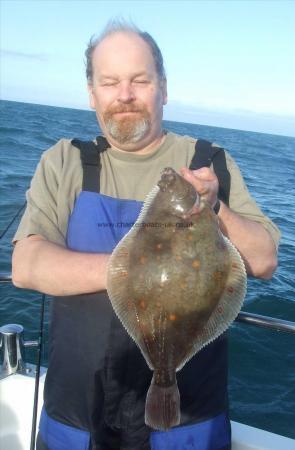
(204, 181)
(198, 184)
(201, 179)
(204, 173)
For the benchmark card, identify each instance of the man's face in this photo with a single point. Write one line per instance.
(126, 93)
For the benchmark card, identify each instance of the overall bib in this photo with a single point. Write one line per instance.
(97, 380)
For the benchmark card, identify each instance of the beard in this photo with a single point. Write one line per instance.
(129, 129)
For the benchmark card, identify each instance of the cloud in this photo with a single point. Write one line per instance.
(24, 55)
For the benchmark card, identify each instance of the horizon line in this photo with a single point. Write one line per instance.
(80, 108)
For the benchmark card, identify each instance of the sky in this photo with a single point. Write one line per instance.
(229, 63)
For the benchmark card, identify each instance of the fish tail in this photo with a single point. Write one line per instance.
(162, 408)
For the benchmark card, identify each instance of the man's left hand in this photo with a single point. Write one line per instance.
(204, 181)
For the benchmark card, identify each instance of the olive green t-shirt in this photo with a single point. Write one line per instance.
(58, 181)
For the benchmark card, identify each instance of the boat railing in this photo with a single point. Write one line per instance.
(12, 343)
(266, 322)
(5, 277)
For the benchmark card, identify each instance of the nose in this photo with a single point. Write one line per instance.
(126, 92)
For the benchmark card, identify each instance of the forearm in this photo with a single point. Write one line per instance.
(252, 240)
(46, 267)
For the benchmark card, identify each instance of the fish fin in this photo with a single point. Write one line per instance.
(119, 260)
(147, 203)
(117, 288)
(162, 408)
(228, 306)
(117, 280)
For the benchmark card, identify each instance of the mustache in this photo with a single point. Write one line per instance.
(124, 109)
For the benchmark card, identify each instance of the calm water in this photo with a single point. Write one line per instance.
(262, 362)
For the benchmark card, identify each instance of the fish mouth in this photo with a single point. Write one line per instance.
(183, 198)
(168, 177)
(168, 171)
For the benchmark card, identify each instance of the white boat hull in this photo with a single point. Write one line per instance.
(16, 409)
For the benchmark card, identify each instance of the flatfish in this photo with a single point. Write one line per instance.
(176, 283)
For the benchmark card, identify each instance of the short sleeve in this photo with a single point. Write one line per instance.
(40, 216)
(243, 204)
(52, 193)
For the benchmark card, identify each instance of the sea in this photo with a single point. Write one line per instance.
(262, 361)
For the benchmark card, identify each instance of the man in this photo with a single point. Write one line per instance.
(97, 379)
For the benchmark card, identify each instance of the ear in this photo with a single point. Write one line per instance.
(164, 91)
(91, 96)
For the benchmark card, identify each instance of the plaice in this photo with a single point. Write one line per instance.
(176, 283)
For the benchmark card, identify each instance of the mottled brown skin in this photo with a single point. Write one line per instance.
(178, 267)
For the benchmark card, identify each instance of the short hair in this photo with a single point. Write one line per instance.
(115, 26)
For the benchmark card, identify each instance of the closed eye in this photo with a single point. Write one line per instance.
(140, 81)
(109, 83)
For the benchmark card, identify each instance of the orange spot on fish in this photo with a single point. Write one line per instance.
(124, 273)
(142, 304)
(172, 317)
(217, 275)
(189, 237)
(178, 258)
(129, 304)
(196, 264)
(159, 246)
(183, 285)
(158, 304)
(230, 289)
(142, 259)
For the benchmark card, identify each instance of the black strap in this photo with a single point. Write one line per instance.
(205, 155)
(90, 158)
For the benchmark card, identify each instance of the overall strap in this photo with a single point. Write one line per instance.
(90, 159)
(205, 154)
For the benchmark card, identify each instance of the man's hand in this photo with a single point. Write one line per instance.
(204, 181)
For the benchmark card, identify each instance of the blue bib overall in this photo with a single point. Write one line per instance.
(97, 379)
